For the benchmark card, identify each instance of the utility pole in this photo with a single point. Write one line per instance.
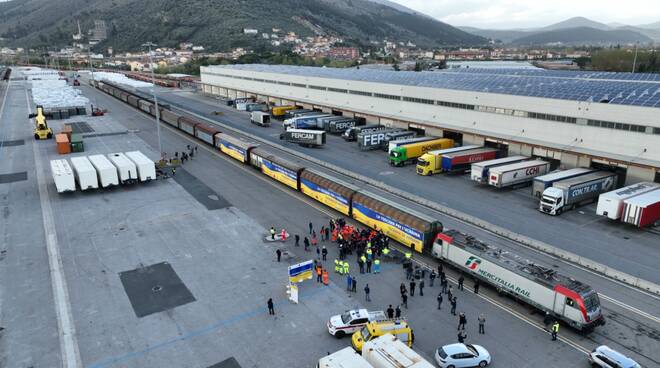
(635, 58)
(153, 92)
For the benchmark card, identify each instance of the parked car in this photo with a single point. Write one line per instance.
(462, 355)
(604, 357)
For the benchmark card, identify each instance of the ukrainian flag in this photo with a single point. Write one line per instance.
(301, 271)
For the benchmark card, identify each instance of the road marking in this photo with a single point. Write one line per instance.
(70, 353)
(630, 308)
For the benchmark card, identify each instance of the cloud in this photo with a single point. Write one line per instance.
(534, 13)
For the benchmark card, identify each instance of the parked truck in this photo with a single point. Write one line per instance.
(517, 174)
(388, 351)
(401, 155)
(397, 143)
(279, 111)
(305, 122)
(397, 136)
(459, 162)
(610, 204)
(297, 112)
(337, 124)
(373, 140)
(541, 183)
(479, 170)
(63, 176)
(568, 193)
(85, 173)
(351, 133)
(304, 137)
(642, 210)
(431, 162)
(260, 118)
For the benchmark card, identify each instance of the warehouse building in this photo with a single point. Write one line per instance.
(588, 119)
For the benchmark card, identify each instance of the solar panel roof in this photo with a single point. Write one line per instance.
(639, 89)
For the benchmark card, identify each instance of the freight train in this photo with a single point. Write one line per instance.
(560, 296)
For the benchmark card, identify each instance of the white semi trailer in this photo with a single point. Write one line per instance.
(518, 173)
(85, 173)
(610, 204)
(107, 172)
(63, 176)
(540, 286)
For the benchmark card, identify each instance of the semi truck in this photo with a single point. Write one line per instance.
(372, 140)
(304, 137)
(304, 122)
(479, 170)
(280, 111)
(401, 155)
(543, 287)
(642, 210)
(568, 193)
(336, 124)
(297, 112)
(388, 351)
(517, 174)
(457, 162)
(610, 204)
(396, 143)
(351, 133)
(431, 162)
(397, 136)
(541, 183)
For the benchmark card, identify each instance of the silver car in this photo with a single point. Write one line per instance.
(604, 357)
(462, 355)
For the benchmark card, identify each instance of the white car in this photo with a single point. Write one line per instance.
(462, 355)
(604, 357)
(351, 321)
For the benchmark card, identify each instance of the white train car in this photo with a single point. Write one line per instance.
(542, 287)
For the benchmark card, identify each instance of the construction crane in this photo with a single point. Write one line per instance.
(41, 129)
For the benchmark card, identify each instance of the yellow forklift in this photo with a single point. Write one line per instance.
(41, 129)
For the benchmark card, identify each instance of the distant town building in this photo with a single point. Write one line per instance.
(343, 53)
(250, 31)
(198, 48)
(99, 32)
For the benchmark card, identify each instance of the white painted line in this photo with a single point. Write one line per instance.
(630, 308)
(68, 342)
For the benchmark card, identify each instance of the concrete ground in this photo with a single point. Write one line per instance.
(580, 231)
(219, 256)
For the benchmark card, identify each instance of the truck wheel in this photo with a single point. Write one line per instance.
(339, 334)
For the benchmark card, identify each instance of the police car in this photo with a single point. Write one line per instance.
(352, 320)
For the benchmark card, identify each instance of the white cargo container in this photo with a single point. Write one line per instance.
(479, 170)
(106, 171)
(85, 173)
(145, 167)
(388, 352)
(344, 358)
(63, 176)
(126, 168)
(610, 204)
(518, 173)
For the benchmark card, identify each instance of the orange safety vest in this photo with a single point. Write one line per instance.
(325, 277)
(283, 234)
(334, 235)
(319, 269)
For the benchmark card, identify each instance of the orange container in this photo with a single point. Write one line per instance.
(63, 145)
(67, 130)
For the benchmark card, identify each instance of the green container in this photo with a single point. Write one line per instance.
(77, 143)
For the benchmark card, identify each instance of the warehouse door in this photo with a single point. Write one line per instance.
(456, 136)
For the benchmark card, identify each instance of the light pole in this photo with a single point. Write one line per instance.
(635, 58)
(153, 92)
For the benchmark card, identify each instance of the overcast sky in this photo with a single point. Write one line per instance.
(504, 14)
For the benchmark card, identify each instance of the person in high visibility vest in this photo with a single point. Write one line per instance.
(319, 270)
(336, 266)
(369, 253)
(408, 256)
(325, 277)
(363, 260)
(345, 267)
(386, 251)
(555, 330)
(334, 235)
(272, 233)
(377, 266)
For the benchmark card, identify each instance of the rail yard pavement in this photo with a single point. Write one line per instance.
(285, 212)
(580, 231)
(29, 335)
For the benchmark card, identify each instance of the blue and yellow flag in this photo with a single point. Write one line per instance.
(301, 271)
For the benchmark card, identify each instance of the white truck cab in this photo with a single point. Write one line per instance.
(553, 201)
(352, 320)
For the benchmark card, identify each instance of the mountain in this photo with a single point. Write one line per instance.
(218, 24)
(655, 26)
(505, 35)
(398, 7)
(581, 36)
(576, 22)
